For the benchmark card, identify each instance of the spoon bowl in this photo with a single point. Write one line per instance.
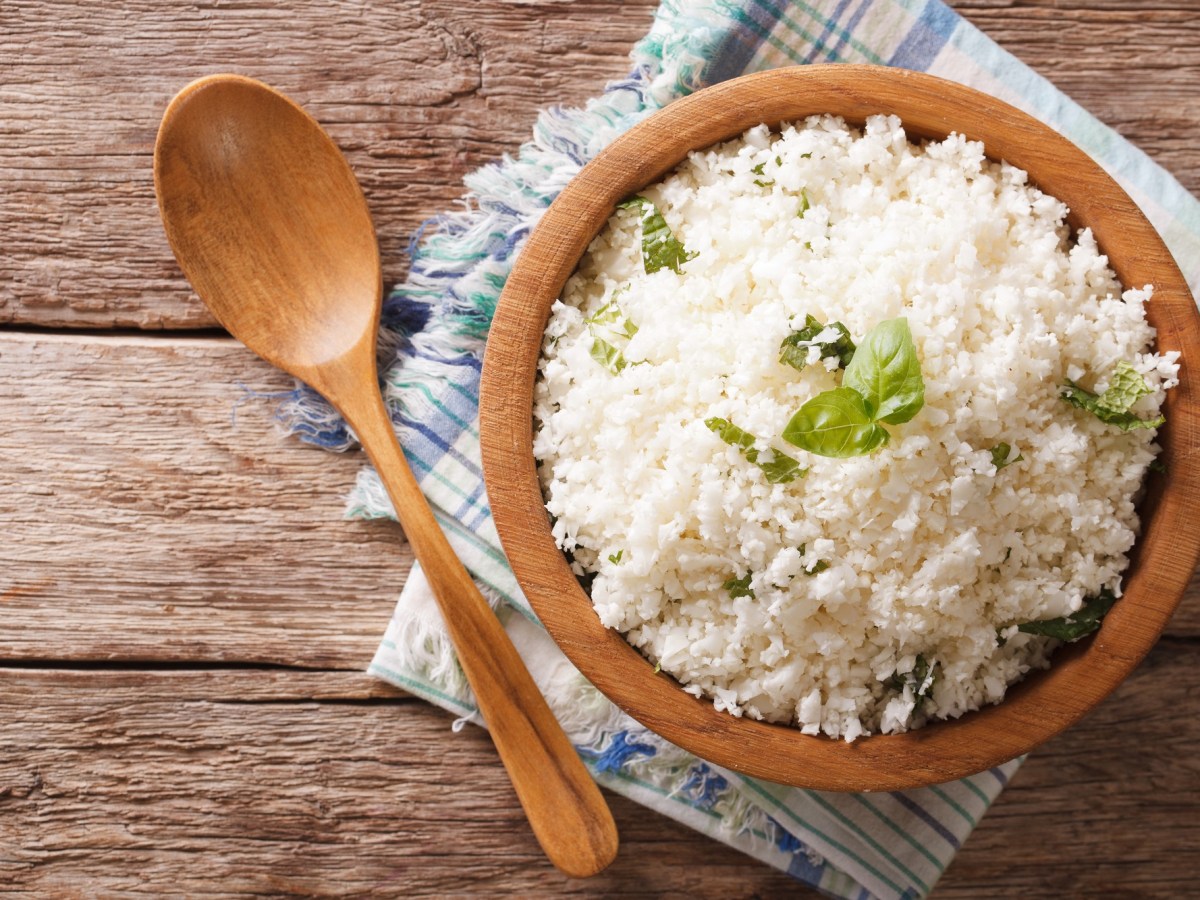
(256, 199)
(271, 227)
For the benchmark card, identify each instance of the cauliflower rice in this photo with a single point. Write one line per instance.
(868, 570)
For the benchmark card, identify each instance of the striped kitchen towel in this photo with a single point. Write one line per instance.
(434, 327)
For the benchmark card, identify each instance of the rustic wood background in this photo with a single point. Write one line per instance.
(184, 619)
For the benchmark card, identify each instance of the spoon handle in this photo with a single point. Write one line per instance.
(564, 806)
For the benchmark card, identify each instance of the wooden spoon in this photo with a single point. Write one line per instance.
(270, 226)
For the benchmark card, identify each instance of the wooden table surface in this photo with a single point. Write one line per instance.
(185, 618)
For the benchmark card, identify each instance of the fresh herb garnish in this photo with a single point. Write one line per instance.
(779, 470)
(1112, 407)
(1078, 624)
(835, 423)
(921, 679)
(605, 325)
(739, 587)
(1000, 455)
(882, 383)
(607, 355)
(887, 372)
(660, 248)
(805, 206)
(794, 349)
(615, 558)
(758, 170)
(816, 568)
(658, 667)
(610, 316)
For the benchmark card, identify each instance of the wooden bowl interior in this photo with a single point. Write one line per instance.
(1082, 674)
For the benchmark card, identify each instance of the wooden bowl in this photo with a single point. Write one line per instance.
(1082, 674)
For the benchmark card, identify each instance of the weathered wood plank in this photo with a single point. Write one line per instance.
(417, 93)
(238, 782)
(331, 783)
(155, 513)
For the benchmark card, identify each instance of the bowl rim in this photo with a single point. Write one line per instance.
(1082, 674)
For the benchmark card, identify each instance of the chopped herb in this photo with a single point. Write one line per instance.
(1078, 624)
(1157, 465)
(739, 587)
(607, 355)
(806, 156)
(660, 248)
(779, 160)
(794, 349)
(816, 568)
(658, 667)
(805, 206)
(758, 170)
(887, 372)
(608, 324)
(1000, 455)
(1112, 407)
(921, 679)
(615, 558)
(779, 470)
(610, 316)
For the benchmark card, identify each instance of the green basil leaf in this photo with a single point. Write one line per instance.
(779, 470)
(886, 371)
(835, 423)
(1000, 455)
(607, 355)
(610, 317)
(1078, 624)
(739, 587)
(794, 349)
(660, 248)
(731, 434)
(1125, 387)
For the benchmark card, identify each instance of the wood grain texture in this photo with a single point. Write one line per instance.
(274, 783)
(331, 784)
(156, 514)
(1042, 706)
(417, 93)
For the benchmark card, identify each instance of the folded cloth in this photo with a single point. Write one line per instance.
(434, 327)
